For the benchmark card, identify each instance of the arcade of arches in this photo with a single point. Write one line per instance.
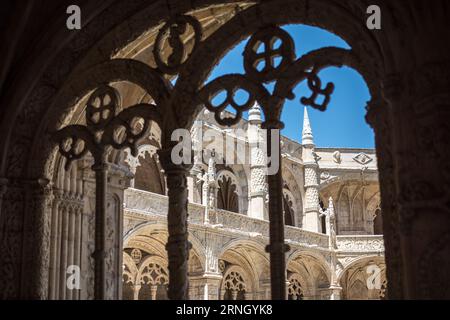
(86, 176)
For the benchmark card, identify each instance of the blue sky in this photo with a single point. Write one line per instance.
(343, 124)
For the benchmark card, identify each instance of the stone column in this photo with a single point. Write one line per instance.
(100, 253)
(178, 245)
(37, 229)
(380, 118)
(136, 289)
(63, 252)
(335, 292)
(153, 291)
(277, 247)
(211, 285)
(419, 100)
(78, 236)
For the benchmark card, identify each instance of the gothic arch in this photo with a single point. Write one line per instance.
(232, 180)
(364, 278)
(312, 270)
(293, 181)
(359, 261)
(296, 287)
(240, 284)
(198, 249)
(132, 271)
(251, 256)
(320, 259)
(290, 203)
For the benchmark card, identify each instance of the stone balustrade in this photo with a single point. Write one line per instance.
(147, 203)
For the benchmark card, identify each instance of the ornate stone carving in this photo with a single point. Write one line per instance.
(362, 158)
(172, 32)
(360, 243)
(337, 157)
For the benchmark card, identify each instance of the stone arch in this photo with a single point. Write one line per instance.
(112, 40)
(129, 276)
(147, 168)
(198, 249)
(295, 287)
(292, 177)
(363, 278)
(321, 260)
(250, 256)
(235, 283)
(290, 208)
(153, 278)
(267, 8)
(313, 272)
(192, 77)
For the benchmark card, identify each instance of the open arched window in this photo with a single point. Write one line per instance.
(288, 208)
(229, 191)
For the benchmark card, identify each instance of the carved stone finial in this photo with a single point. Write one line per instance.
(307, 136)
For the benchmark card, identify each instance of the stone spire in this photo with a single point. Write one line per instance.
(311, 221)
(307, 136)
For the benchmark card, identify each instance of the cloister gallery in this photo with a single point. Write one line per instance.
(88, 182)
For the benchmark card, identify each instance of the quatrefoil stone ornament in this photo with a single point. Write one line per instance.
(105, 128)
(101, 107)
(267, 53)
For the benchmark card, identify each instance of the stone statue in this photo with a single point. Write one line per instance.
(330, 222)
(331, 217)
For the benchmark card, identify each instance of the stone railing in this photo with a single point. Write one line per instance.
(369, 244)
(147, 203)
(297, 235)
